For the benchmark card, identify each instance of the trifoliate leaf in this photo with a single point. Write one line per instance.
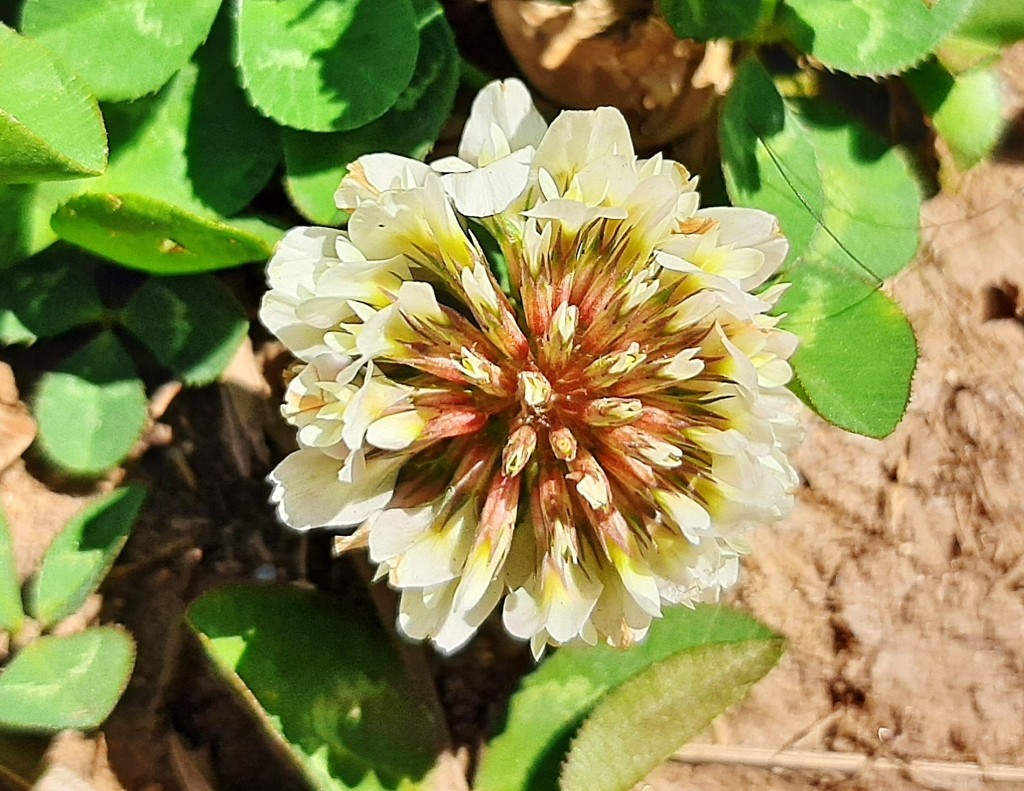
(170, 149)
(316, 163)
(122, 48)
(82, 554)
(156, 237)
(192, 325)
(195, 144)
(326, 683)
(73, 681)
(870, 38)
(91, 409)
(325, 65)
(837, 189)
(50, 123)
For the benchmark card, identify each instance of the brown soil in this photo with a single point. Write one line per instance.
(898, 580)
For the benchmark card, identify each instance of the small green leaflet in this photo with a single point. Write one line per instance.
(325, 65)
(654, 713)
(48, 294)
(192, 325)
(870, 37)
(91, 409)
(706, 20)
(82, 554)
(996, 22)
(316, 163)
(124, 49)
(12, 613)
(73, 681)
(556, 698)
(50, 123)
(966, 109)
(230, 150)
(148, 234)
(26, 209)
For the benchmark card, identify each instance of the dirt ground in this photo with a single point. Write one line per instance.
(898, 580)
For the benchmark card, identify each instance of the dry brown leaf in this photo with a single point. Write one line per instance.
(17, 428)
(598, 52)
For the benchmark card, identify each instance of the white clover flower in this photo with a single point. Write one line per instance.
(582, 450)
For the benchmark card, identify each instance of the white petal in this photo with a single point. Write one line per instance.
(683, 366)
(310, 494)
(572, 602)
(302, 256)
(419, 224)
(491, 189)
(461, 625)
(755, 229)
(521, 614)
(506, 105)
(421, 612)
(574, 214)
(638, 580)
(741, 227)
(451, 165)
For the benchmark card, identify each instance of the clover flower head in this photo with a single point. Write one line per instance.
(536, 376)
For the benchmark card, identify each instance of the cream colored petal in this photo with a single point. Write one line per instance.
(368, 404)
(574, 214)
(300, 258)
(522, 614)
(398, 431)
(754, 229)
(741, 227)
(418, 224)
(394, 530)
(683, 513)
(451, 165)
(578, 137)
(372, 174)
(303, 340)
(422, 612)
(461, 625)
(637, 579)
(387, 332)
(572, 600)
(439, 553)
